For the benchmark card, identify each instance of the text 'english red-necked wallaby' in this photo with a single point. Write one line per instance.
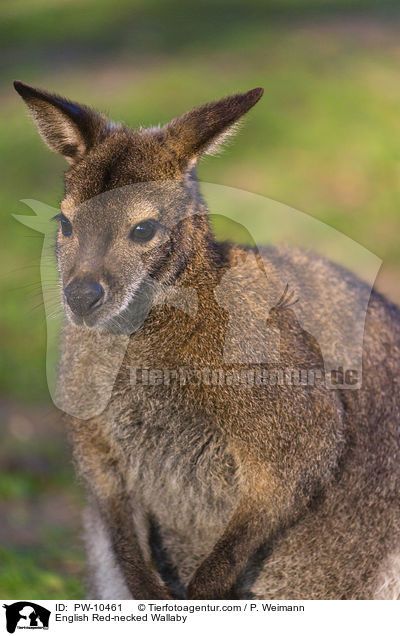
(200, 486)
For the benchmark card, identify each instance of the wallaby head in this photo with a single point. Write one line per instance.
(132, 212)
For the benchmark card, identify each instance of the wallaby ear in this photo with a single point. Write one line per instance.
(204, 128)
(66, 127)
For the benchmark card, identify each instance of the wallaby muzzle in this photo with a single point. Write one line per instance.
(83, 295)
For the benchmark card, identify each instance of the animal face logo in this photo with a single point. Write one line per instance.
(299, 302)
(26, 615)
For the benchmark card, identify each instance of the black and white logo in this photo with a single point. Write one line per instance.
(26, 615)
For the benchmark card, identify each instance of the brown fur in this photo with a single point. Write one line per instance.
(199, 490)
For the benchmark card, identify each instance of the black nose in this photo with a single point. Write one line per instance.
(83, 295)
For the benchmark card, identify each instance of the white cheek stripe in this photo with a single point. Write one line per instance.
(388, 588)
(129, 296)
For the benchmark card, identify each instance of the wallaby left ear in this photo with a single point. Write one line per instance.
(204, 128)
(66, 127)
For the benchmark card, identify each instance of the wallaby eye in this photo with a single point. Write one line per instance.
(66, 226)
(143, 231)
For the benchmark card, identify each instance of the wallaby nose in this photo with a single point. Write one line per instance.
(83, 295)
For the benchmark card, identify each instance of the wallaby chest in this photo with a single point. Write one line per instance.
(179, 464)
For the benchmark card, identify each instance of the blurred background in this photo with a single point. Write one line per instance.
(325, 139)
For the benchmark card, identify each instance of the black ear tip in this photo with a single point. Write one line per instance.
(256, 93)
(249, 99)
(21, 88)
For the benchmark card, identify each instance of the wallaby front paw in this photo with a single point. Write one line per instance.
(203, 587)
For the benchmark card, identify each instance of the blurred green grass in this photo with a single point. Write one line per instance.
(41, 555)
(325, 139)
(26, 574)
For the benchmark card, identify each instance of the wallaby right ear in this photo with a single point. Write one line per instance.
(66, 127)
(202, 129)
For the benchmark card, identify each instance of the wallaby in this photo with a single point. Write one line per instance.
(205, 490)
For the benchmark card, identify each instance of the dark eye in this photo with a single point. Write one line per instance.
(143, 231)
(66, 226)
